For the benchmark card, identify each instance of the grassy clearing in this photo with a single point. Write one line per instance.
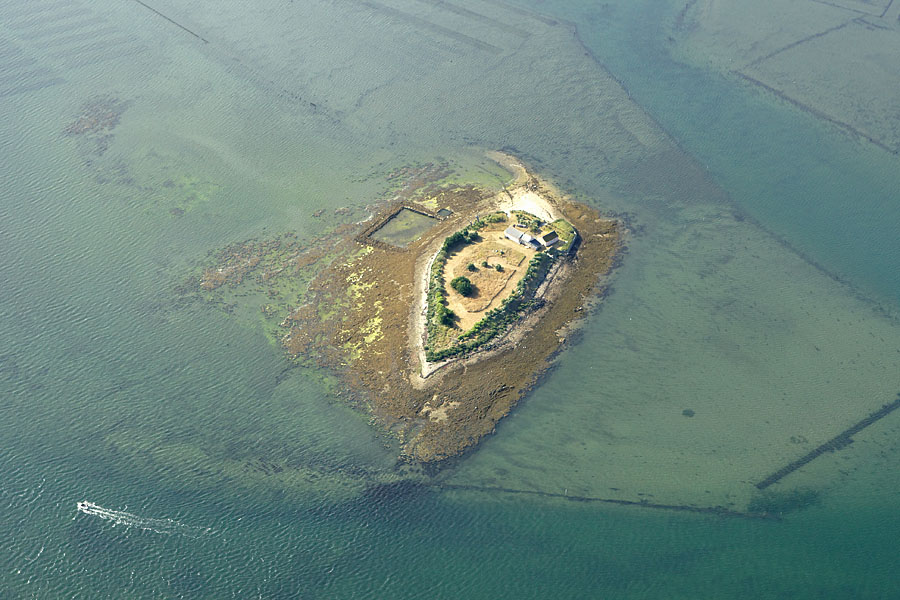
(566, 233)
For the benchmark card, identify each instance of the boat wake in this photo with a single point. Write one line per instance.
(126, 519)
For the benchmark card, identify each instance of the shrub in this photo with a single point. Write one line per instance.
(499, 268)
(447, 316)
(471, 267)
(462, 285)
(485, 264)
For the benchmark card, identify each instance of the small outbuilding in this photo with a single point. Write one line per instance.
(550, 238)
(529, 241)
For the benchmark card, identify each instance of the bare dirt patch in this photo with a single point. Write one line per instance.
(491, 285)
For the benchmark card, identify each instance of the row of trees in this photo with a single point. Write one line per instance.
(437, 313)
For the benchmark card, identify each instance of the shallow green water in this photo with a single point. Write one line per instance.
(219, 474)
(404, 227)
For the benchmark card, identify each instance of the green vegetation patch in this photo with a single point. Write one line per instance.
(483, 221)
(566, 233)
(462, 285)
(528, 221)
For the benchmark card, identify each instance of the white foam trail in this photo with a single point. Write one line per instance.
(120, 517)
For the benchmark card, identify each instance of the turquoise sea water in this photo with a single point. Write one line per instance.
(214, 472)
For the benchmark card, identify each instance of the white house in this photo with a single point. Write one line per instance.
(513, 234)
(521, 237)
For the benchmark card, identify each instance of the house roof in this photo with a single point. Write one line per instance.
(523, 238)
(514, 233)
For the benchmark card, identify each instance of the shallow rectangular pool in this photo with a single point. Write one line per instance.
(404, 228)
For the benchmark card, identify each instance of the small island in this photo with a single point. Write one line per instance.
(439, 313)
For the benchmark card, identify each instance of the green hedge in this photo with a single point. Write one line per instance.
(437, 314)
